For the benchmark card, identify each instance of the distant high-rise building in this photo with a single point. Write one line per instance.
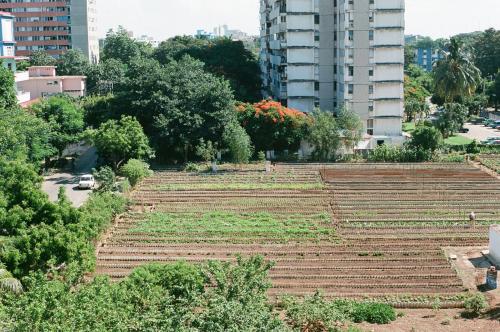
(54, 26)
(334, 53)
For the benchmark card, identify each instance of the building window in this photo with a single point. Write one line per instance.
(351, 70)
(350, 89)
(316, 86)
(370, 89)
(369, 127)
(370, 35)
(370, 72)
(351, 35)
(316, 19)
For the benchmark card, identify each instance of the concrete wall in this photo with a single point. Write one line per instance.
(495, 243)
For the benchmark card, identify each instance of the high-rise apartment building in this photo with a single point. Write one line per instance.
(54, 26)
(335, 53)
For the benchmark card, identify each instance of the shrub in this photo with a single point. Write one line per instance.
(106, 179)
(238, 143)
(135, 170)
(261, 156)
(473, 147)
(375, 313)
(426, 138)
(192, 168)
(475, 303)
(404, 154)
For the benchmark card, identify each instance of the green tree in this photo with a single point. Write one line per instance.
(119, 141)
(206, 151)
(426, 138)
(102, 78)
(106, 179)
(8, 99)
(452, 118)
(409, 54)
(178, 104)
(73, 62)
(487, 52)
(65, 119)
(324, 135)
(222, 57)
(351, 128)
(456, 75)
(238, 143)
(42, 58)
(24, 137)
(494, 91)
(22, 203)
(120, 46)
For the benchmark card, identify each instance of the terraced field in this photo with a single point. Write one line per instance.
(491, 161)
(351, 230)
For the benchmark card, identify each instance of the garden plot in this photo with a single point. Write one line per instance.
(491, 161)
(365, 231)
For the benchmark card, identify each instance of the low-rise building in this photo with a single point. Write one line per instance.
(42, 81)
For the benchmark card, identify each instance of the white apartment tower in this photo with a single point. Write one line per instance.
(334, 53)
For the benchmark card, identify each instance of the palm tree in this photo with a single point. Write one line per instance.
(456, 75)
(8, 283)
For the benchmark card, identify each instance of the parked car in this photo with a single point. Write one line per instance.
(464, 130)
(494, 124)
(488, 122)
(489, 139)
(86, 182)
(495, 142)
(478, 120)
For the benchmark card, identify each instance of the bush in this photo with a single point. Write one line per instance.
(135, 171)
(405, 154)
(261, 156)
(192, 168)
(238, 143)
(426, 138)
(375, 313)
(475, 303)
(68, 242)
(473, 147)
(106, 179)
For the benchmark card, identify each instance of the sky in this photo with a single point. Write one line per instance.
(162, 19)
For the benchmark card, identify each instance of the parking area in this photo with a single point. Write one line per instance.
(480, 132)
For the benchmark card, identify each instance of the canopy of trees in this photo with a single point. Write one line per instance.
(222, 57)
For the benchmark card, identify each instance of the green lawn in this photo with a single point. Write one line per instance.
(409, 127)
(457, 140)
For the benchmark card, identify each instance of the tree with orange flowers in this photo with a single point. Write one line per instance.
(272, 126)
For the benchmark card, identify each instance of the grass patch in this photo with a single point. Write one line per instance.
(240, 186)
(237, 227)
(409, 127)
(457, 140)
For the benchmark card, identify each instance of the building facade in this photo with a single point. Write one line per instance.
(425, 58)
(335, 53)
(54, 26)
(7, 43)
(42, 81)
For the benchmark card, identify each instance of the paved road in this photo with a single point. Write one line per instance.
(83, 165)
(480, 132)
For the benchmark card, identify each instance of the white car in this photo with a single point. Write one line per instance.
(86, 182)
